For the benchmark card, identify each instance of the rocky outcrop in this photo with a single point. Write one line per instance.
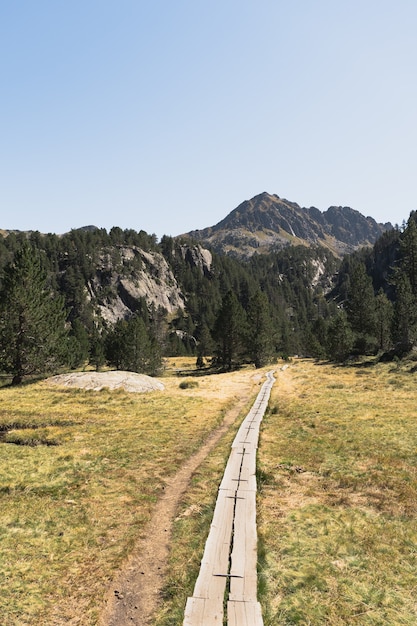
(120, 284)
(268, 222)
(196, 256)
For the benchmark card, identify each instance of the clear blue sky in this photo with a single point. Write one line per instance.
(164, 115)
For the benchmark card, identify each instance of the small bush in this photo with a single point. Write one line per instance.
(188, 384)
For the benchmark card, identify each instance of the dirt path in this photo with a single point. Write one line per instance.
(133, 595)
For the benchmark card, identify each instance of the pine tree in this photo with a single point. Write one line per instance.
(131, 347)
(259, 335)
(33, 334)
(408, 248)
(339, 338)
(204, 344)
(405, 281)
(383, 318)
(360, 305)
(229, 331)
(360, 308)
(144, 352)
(405, 313)
(96, 349)
(115, 343)
(78, 345)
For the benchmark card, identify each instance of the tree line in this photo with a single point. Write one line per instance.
(298, 300)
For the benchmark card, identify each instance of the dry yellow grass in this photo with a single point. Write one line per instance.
(337, 501)
(338, 497)
(336, 507)
(193, 521)
(70, 512)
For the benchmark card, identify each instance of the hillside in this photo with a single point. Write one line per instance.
(174, 297)
(268, 222)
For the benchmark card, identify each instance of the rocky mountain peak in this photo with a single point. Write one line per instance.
(269, 222)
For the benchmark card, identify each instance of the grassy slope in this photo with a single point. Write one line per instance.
(70, 511)
(338, 498)
(337, 502)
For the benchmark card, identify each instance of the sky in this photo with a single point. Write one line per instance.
(163, 115)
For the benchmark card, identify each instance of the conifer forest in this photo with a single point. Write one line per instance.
(296, 300)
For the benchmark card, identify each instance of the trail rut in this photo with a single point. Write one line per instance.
(133, 595)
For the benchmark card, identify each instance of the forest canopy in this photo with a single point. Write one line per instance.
(298, 300)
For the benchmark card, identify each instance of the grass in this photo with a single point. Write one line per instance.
(191, 528)
(192, 524)
(80, 472)
(338, 497)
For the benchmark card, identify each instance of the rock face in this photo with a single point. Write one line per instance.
(118, 286)
(196, 256)
(267, 222)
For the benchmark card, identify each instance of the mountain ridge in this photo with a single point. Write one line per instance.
(267, 222)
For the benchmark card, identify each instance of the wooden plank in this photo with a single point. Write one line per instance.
(248, 475)
(211, 581)
(232, 470)
(243, 570)
(244, 614)
(203, 612)
(234, 516)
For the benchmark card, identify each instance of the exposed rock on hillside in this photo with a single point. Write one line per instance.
(196, 256)
(268, 222)
(119, 284)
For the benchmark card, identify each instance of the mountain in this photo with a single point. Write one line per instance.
(177, 287)
(268, 222)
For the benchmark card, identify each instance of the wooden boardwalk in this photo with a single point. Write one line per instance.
(228, 573)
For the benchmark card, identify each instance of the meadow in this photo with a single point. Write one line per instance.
(337, 501)
(338, 496)
(81, 471)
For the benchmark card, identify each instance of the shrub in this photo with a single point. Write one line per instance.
(188, 384)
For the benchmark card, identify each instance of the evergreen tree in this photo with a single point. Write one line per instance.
(78, 345)
(130, 347)
(360, 305)
(286, 347)
(229, 332)
(405, 282)
(339, 338)
(316, 338)
(115, 344)
(33, 334)
(405, 313)
(259, 335)
(408, 247)
(383, 320)
(204, 344)
(97, 351)
(360, 308)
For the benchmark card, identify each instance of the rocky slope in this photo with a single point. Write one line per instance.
(117, 287)
(268, 222)
(146, 275)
